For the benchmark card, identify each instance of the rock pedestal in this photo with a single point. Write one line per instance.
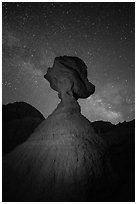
(62, 159)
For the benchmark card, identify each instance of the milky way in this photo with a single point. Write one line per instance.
(101, 34)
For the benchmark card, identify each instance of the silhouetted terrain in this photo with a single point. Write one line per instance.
(102, 126)
(19, 120)
(19, 110)
(121, 150)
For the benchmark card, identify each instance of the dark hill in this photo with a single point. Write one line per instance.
(19, 120)
(120, 141)
(121, 150)
(19, 110)
(102, 126)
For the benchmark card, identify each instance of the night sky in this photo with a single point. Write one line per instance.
(101, 34)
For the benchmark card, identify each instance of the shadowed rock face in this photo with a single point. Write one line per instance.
(64, 159)
(69, 75)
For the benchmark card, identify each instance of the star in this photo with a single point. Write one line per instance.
(101, 34)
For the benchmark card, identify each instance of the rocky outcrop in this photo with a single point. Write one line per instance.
(69, 75)
(64, 159)
(19, 120)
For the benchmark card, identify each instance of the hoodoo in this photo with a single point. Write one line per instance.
(63, 159)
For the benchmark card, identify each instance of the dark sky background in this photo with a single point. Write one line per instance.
(101, 34)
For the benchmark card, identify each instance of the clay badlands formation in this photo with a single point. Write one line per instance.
(63, 160)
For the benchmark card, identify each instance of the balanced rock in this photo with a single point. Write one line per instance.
(69, 75)
(63, 159)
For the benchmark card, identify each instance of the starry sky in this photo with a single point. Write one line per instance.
(101, 34)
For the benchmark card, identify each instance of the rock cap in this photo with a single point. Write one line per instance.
(69, 75)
